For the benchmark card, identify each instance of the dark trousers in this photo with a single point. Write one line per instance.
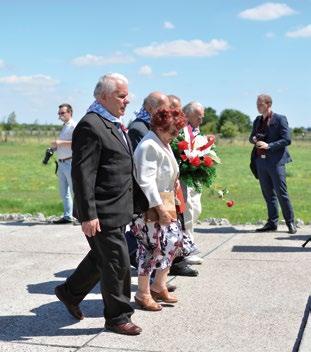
(108, 262)
(272, 180)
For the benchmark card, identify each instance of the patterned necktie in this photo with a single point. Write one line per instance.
(120, 126)
(122, 130)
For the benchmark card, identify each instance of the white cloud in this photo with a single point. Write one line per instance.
(304, 32)
(266, 12)
(145, 70)
(93, 60)
(282, 90)
(168, 25)
(34, 81)
(2, 64)
(169, 74)
(181, 47)
(270, 35)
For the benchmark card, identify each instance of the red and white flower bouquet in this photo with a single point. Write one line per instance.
(197, 160)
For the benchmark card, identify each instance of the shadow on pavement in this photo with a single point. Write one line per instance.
(47, 288)
(24, 223)
(303, 325)
(269, 249)
(49, 320)
(295, 238)
(52, 318)
(221, 229)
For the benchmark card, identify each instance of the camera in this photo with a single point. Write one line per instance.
(260, 137)
(48, 153)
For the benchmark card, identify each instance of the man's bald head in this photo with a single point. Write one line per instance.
(156, 101)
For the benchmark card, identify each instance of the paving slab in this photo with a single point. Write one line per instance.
(252, 294)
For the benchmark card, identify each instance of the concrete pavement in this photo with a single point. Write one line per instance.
(252, 294)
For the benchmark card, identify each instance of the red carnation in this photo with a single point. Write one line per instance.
(182, 145)
(230, 203)
(208, 161)
(195, 161)
(183, 157)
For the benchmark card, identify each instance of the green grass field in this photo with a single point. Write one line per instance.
(28, 186)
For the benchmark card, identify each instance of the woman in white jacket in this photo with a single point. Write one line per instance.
(158, 241)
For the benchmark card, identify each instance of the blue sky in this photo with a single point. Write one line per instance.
(220, 53)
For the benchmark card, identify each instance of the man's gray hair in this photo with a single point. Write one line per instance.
(191, 107)
(108, 83)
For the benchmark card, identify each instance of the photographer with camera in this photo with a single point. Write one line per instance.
(271, 137)
(62, 148)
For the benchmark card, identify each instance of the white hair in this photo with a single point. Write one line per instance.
(108, 83)
(191, 107)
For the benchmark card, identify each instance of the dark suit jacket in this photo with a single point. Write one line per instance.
(103, 173)
(137, 131)
(278, 138)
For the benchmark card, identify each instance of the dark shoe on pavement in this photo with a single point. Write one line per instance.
(291, 228)
(171, 288)
(267, 228)
(62, 221)
(184, 270)
(72, 308)
(124, 329)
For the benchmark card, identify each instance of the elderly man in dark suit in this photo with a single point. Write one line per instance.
(271, 137)
(104, 188)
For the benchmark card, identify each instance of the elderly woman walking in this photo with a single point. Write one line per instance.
(159, 236)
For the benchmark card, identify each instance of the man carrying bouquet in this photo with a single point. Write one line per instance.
(194, 112)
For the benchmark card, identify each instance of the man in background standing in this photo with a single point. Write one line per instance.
(271, 137)
(62, 145)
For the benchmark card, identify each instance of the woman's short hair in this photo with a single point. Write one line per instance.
(166, 118)
(108, 83)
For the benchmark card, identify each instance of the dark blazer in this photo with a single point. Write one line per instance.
(137, 131)
(103, 173)
(278, 137)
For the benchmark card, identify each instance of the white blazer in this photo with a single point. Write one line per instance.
(156, 166)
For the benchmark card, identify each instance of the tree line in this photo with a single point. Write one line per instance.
(10, 127)
(231, 123)
(228, 124)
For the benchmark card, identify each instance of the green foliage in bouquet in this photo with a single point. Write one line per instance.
(195, 171)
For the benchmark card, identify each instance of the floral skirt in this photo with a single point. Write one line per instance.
(159, 244)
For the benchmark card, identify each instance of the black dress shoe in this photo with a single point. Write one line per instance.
(62, 221)
(72, 308)
(183, 270)
(124, 329)
(267, 228)
(291, 228)
(171, 288)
